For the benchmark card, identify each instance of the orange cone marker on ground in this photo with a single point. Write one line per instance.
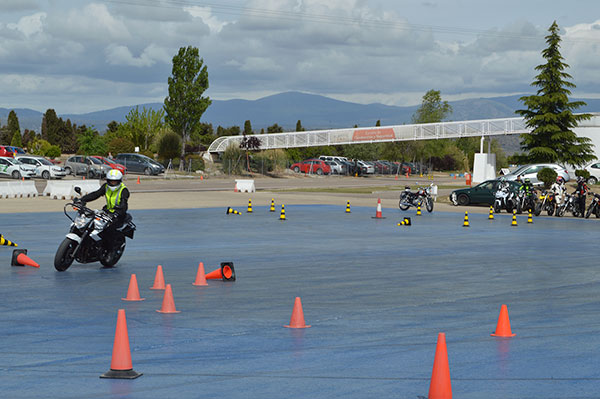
(297, 320)
(20, 258)
(133, 293)
(503, 326)
(200, 277)
(159, 279)
(226, 272)
(440, 386)
(168, 305)
(378, 212)
(138, 180)
(120, 365)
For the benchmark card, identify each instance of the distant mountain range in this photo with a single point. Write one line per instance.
(285, 109)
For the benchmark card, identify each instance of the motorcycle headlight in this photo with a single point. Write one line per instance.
(81, 221)
(99, 223)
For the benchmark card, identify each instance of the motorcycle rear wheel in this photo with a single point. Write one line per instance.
(402, 204)
(112, 257)
(64, 255)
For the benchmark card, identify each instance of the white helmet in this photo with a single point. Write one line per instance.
(113, 179)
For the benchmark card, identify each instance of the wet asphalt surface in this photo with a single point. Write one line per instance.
(376, 295)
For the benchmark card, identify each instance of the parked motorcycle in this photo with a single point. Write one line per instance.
(422, 196)
(505, 198)
(526, 203)
(569, 205)
(84, 242)
(547, 203)
(594, 207)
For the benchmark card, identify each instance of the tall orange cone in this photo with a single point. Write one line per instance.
(168, 305)
(440, 386)
(503, 326)
(138, 180)
(297, 320)
(378, 211)
(20, 258)
(159, 279)
(226, 272)
(200, 277)
(120, 365)
(133, 293)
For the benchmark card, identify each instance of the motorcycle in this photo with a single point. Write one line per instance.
(505, 199)
(423, 195)
(84, 242)
(594, 206)
(526, 203)
(569, 205)
(548, 203)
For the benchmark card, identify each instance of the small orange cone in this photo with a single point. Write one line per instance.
(235, 190)
(200, 277)
(20, 258)
(120, 365)
(133, 293)
(168, 305)
(201, 177)
(159, 279)
(138, 180)
(378, 211)
(503, 326)
(297, 320)
(226, 272)
(440, 386)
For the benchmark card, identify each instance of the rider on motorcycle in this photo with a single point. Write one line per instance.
(116, 195)
(558, 188)
(581, 192)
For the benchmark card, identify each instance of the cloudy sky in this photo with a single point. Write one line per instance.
(79, 56)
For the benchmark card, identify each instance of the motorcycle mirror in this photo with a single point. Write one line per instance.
(77, 190)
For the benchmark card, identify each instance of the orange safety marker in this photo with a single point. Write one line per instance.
(440, 386)
(200, 277)
(503, 326)
(120, 365)
(159, 279)
(168, 305)
(226, 272)
(20, 258)
(138, 180)
(133, 293)
(378, 214)
(297, 320)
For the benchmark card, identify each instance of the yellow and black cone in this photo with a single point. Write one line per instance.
(282, 216)
(7, 243)
(491, 217)
(466, 222)
(418, 210)
(514, 219)
(348, 207)
(231, 210)
(272, 205)
(405, 222)
(529, 217)
(249, 206)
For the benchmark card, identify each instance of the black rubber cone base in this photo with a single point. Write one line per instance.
(121, 374)
(15, 254)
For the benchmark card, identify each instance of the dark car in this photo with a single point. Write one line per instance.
(483, 193)
(138, 163)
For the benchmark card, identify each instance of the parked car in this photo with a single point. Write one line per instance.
(43, 167)
(17, 150)
(336, 167)
(111, 163)
(316, 166)
(12, 167)
(6, 151)
(367, 168)
(139, 163)
(483, 193)
(594, 169)
(80, 165)
(531, 171)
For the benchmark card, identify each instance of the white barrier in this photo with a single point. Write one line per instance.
(18, 189)
(27, 188)
(6, 190)
(245, 186)
(65, 189)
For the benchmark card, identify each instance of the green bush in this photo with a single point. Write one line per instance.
(52, 152)
(234, 160)
(120, 145)
(169, 146)
(147, 153)
(548, 176)
(269, 161)
(197, 162)
(583, 173)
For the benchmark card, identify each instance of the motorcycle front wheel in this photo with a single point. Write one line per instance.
(590, 211)
(64, 255)
(429, 204)
(402, 204)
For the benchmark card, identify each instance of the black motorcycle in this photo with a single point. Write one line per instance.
(569, 205)
(594, 207)
(526, 203)
(85, 240)
(423, 195)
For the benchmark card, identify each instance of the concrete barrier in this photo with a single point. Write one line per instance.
(18, 189)
(65, 189)
(27, 188)
(246, 186)
(6, 190)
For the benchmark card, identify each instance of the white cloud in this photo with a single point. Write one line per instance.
(120, 55)
(205, 14)
(29, 25)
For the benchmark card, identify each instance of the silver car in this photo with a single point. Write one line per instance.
(594, 169)
(530, 172)
(87, 166)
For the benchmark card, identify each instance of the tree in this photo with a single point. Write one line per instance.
(169, 146)
(549, 112)
(432, 108)
(91, 143)
(141, 127)
(299, 127)
(275, 128)
(51, 127)
(16, 139)
(13, 123)
(251, 143)
(185, 104)
(378, 123)
(247, 127)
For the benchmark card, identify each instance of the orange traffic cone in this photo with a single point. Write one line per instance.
(378, 212)
(138, 180)
(120, 365)
(297, 320)
(159, 279)
(440, 386)
(503, 326)
(168, 305)
(226, 272)
(20, 258)
(201, 177)
(200, 277)
(133, 293)
(235, 190)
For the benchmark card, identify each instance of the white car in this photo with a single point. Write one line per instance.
(594, 169)
(336, 167)
(370, 168)
(531, 171)
(43, 168)
(13, 168)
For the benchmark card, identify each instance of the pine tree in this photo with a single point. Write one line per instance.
(247, 127)
(549, 113)
(13, 123)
